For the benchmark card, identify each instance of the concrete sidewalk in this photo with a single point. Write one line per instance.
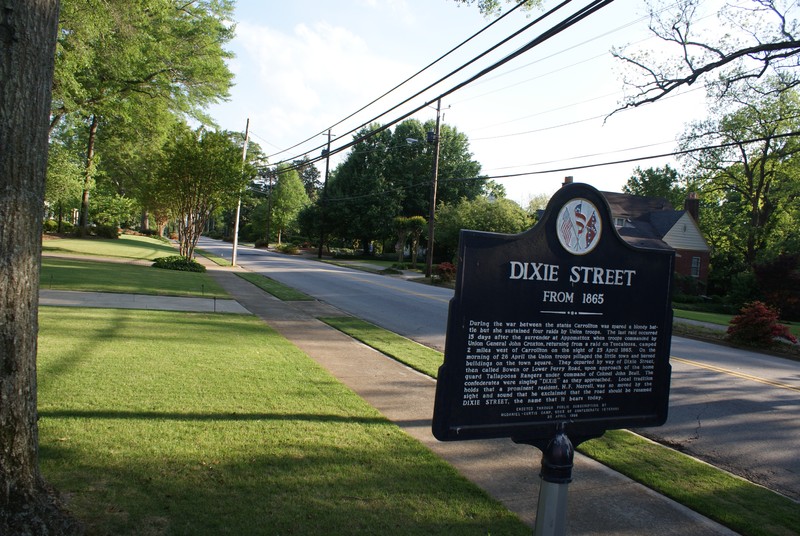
(600, 501)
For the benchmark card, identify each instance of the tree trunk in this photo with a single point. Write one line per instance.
(27, 50)
(83, 222)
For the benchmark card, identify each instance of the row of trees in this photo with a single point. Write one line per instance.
(378, 198)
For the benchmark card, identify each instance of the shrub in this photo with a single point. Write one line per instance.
(289, 249)
(757, 325)
(445, 271)
(50, 226)
(262, 243)
(106, 231)
(176, 262)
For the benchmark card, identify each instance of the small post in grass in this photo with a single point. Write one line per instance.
(556, 474)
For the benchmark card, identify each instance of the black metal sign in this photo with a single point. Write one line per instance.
(565, 323)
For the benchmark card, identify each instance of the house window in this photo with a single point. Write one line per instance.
(619, 222)
(695, 266)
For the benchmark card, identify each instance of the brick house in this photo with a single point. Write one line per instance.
(652, 221)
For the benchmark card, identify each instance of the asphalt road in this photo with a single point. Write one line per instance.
(737, 410)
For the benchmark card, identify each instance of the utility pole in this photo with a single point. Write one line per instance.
(434, 181)
(239, 204)
(327, 154)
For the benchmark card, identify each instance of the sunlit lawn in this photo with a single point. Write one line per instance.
(126, 246)
(88, 275)
(199, 424)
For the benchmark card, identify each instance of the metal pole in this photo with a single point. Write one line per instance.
(327, 153)
(239, 204)
(551, 513)
(432, 208)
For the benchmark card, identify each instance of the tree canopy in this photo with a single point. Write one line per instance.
(202, 171)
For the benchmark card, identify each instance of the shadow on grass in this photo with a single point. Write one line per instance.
(190, 417)
(327, 486)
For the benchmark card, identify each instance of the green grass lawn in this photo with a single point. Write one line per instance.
(746, 508)
(88, 275)
(183, 423)
(126, 246)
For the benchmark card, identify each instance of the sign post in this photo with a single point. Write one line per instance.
(563, 330)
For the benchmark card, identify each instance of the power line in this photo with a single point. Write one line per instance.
(570, 168)
(572, 19)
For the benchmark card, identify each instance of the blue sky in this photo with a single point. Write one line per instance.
(305, 65)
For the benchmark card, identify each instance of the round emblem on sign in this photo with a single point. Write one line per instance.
(579, 226)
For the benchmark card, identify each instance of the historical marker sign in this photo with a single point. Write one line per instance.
(565, 323)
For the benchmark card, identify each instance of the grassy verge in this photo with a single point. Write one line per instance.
(216, 259)
(150, 424)
(740, 505)
(87, 275)
(746, 508)
(415, 355)
(280, 291)
(126, 246)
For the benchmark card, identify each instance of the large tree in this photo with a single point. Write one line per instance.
(360, 200)
(748, 155)
(409, 166)
(110, 52)
(27, 46)
(751, 40)
(288, 198)
(202, 172)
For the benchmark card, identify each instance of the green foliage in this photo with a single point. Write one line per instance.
(202, 172)
(177, 262)
(757, 325)
(481, 214)
(288, 249)
(288, 199)
(360, 200)
(657, 182)
(752, 184)
(106, 231)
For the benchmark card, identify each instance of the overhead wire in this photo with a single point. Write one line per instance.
(571, 168)
(566, 23)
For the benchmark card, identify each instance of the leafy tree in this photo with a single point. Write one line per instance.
(360, 198)
(310, 176)
(656, 182)
(409, 166)
(748, 157)
(494, 7)
(64, 183)
(289, 198)
(27, 41)
(536, 205)
(750, 42)
(202, 172)
(481, 214)
(110, 52)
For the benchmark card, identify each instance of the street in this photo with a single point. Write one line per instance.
(735, 409)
